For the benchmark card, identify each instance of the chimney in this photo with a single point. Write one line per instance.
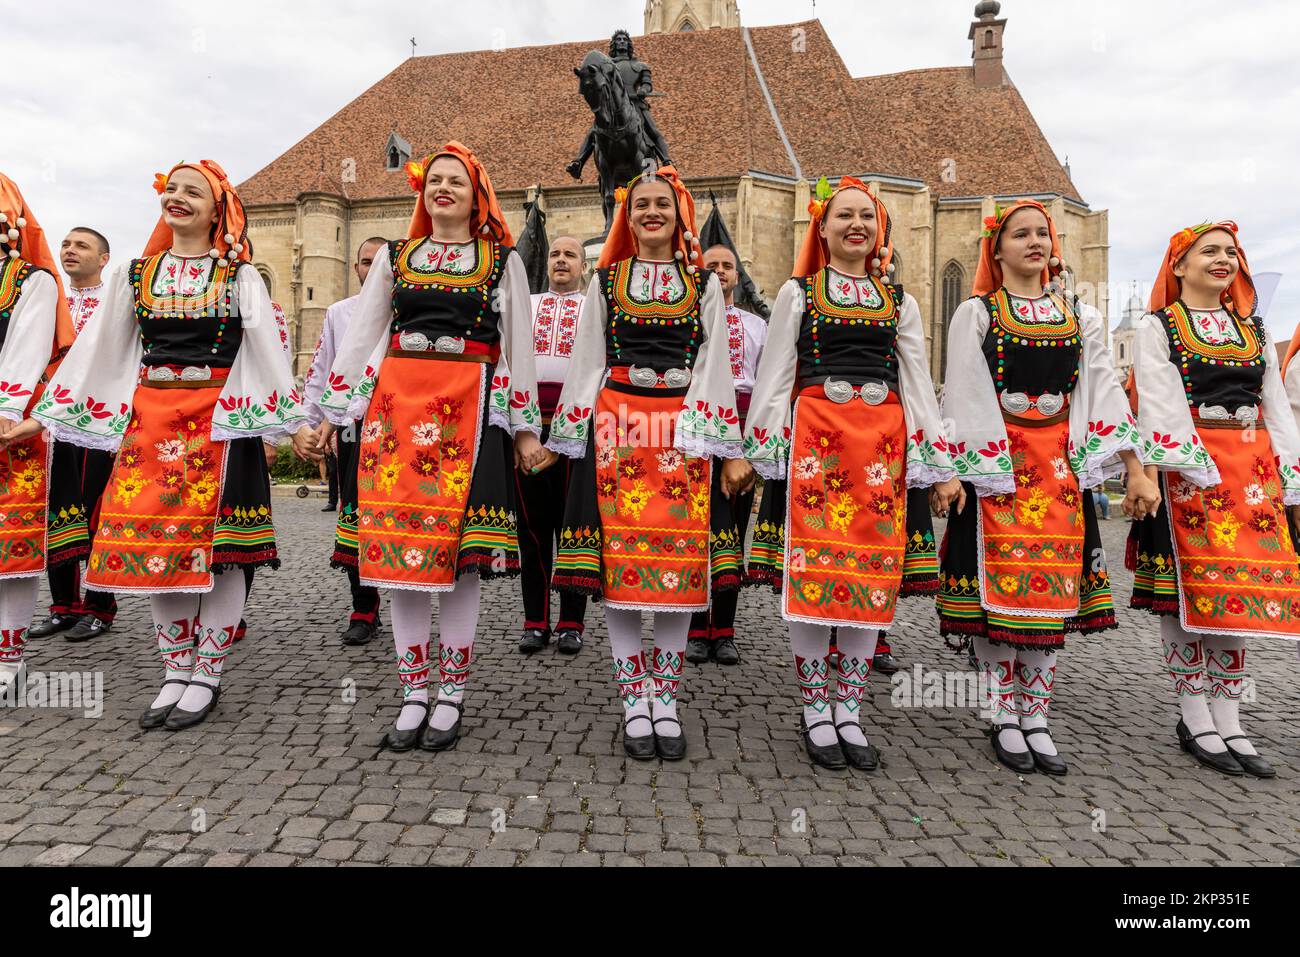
(986, 45)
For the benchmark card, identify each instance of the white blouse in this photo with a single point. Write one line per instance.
(29, 344)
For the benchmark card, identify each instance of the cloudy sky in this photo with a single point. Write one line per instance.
(1163, 124)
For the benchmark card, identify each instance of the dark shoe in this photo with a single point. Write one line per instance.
(885, 663)
(1019, 761)
(828, 755)
(535, 639)
(1052, 764)
(698, 650)
(179, 719)
(359, 633)
(154, 717)
(641, 748)
(53, 625)
(88, 627)
(1250, 763)
(436, 740)
(670, 749)
(405, 740)
(569, 641)
(330, 508)
(725, 652)
(864, 757)
(1223, 762)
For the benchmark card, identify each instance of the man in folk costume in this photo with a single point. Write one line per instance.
(183, 374)
(436, 509)
(1036, 417)
(542, 493)
(649, 402)
(1216, 562)
(35, 332)
(712, 633)
(364, 622)
(84, 255)
(842, 423)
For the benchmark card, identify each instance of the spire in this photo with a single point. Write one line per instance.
(986, 45)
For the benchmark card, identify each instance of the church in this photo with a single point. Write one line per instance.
(753, 116)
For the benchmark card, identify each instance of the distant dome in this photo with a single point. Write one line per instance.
(987, 8)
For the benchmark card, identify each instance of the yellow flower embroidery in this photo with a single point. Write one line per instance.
(1204, 605)
(201, 491)
(129, 486)
(812, 591)
(635, 499)
(1034, 508)
(700, 503)
(28, 481)
(458, 480)
(387, 474)
(840, 515)
(1007, 584)
(1224, 534)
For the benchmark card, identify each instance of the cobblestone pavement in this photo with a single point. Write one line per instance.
(287, 771)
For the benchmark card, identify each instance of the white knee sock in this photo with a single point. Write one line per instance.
(174, 615)
(1035, 682)
(411, 615)
(671, 628)
(810, 644)
(630, 669)
(857, 647)
(1185, 659)
(457, 622)
(1225, 664)
(998, 665)
(218, 618)
(17, 605)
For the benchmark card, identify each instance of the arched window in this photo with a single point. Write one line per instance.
(952, 286)
(988, 39)
(1121, 351)
(896, 260)
(394, 158)
(265, 273)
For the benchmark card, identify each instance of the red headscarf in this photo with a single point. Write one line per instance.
(486, 218)
(1239, 298)
(988, 277)
(31, 246)
(813, 254)
(230, 232)
(621, 242)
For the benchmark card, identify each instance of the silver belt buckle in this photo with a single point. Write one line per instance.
(449, 344)
(1215, 413)
(1017, 403)
(837, 390)
(161, 374)
(1248, 413)
(1050, 403)
(648, 378)
(874, 393)
(413, 341)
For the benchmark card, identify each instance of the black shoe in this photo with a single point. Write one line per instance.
(827, 755)
(1052, 764)
(330, 508)
(569, 641)
(88, 627)
(1223, 761)
(725, 652)
(405, 740)
(1250, 763)
(179, 719)
(642, 747)
(535, 639)
(360, 632)
(698, 650)
(154, 717)
(670, 749)
(864, 757)
(885, 663)
(53, 625)
(435, 740)
(1020, 761)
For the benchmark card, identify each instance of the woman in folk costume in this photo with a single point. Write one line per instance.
(843, 422)
(183, 374)
(1216, 562)
(649, 400)
(415, 369)
(42, 520)
(1037, 418)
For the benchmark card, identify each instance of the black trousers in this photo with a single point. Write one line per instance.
(65, 579)
(343, 492)
(332, 477)
(719, 620)
(541, 514)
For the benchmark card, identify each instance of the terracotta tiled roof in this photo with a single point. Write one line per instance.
(519, 109)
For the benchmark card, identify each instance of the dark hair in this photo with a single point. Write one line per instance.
(373, 239)
(103, 240)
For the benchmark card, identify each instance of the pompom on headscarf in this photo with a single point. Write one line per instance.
(21, 237)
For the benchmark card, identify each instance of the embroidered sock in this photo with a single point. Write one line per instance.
(1035, 680)
(219, 614)
(411, 613)
(669, 657)
(630, 669)
(857, 648)
(1185, 659)
(998, 666)
(173, 626)
(17, 606)
(1225, 664)
(457, 621)
(811, 645)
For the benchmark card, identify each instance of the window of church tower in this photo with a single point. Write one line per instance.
(988, 39)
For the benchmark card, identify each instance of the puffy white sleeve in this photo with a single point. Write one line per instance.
(928, 459)
(345, 394)
(571, 424)
(1101, 422)
(976, 432)
(709, 424)
(1281, 425)
(260, 397)
(88, 400)
(513, 401)
(767, 426)
(1168, 435)
(314, 384)
(28, 344)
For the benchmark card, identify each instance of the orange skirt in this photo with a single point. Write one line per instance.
(846, 511)
(24, 492)
(1236, 566)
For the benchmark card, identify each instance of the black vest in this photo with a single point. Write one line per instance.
(856, 343)
(658, 335)
(439, 303)
(1229, 375)
(1033, 358)
(202, 329)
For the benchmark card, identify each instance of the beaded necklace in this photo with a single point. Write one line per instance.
(1005, 326)
(13, 273)
(624, 309)
(1185, 345)
(216, 300)
(823, 310)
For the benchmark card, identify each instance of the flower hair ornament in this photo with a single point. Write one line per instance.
(230, 233)
(415, 175)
